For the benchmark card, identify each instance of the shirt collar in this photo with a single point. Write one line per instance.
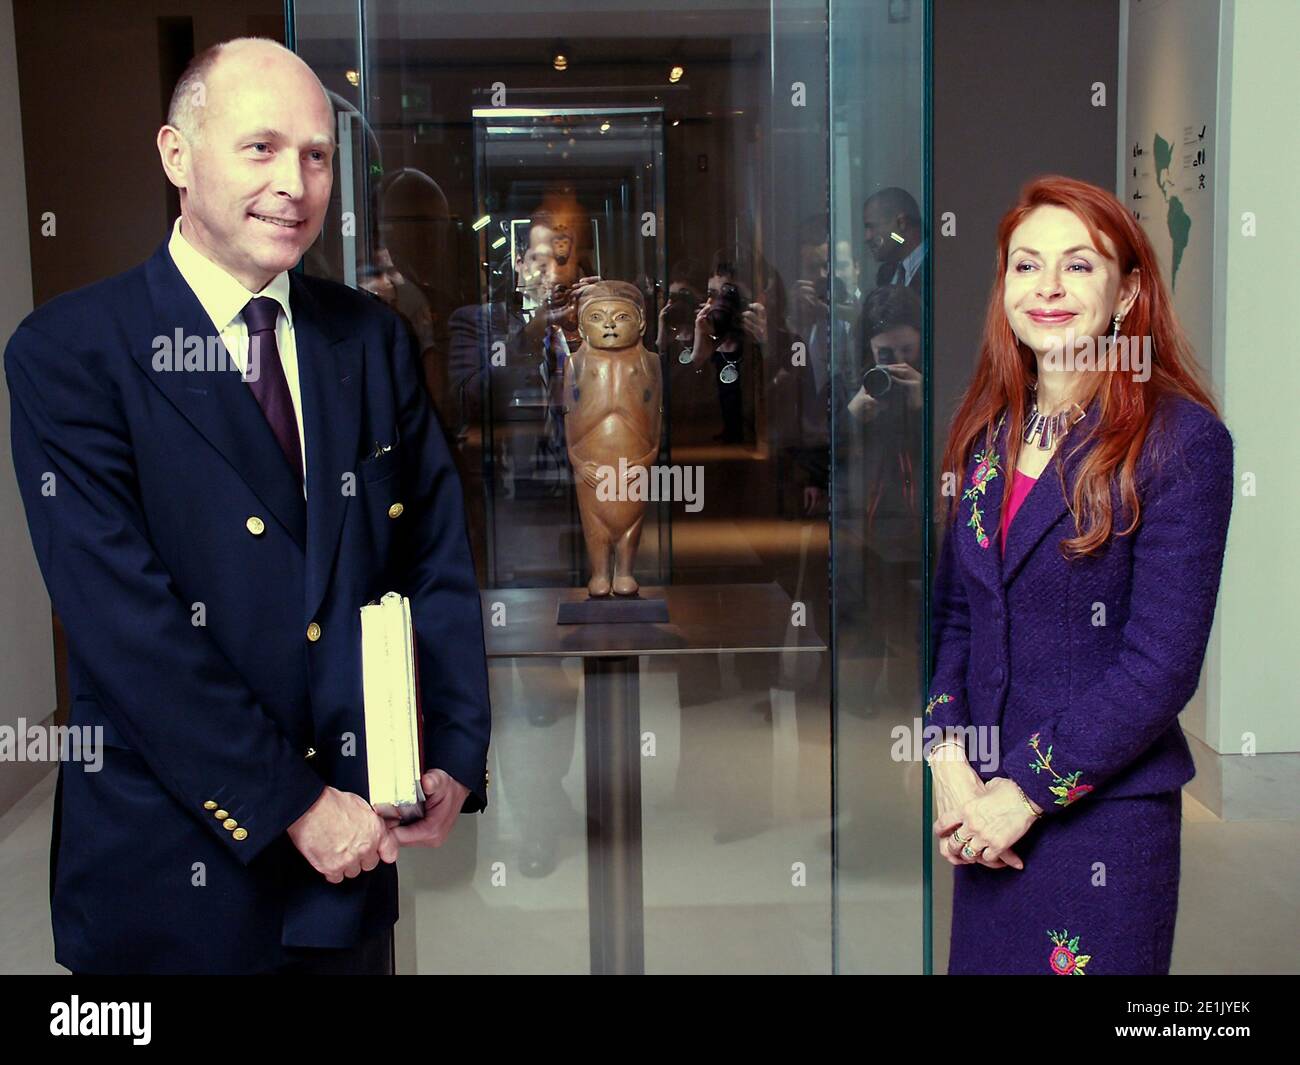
(222, 296)
(912, 262)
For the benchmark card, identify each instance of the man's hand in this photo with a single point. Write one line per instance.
(444, 798)
(340, 835)
(808, 298)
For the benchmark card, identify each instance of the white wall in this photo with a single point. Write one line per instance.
(1223, 66)
(26, 641)
(1257, 624)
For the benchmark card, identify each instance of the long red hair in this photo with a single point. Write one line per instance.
(1007, 367)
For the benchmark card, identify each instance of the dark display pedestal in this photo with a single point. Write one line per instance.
(612, 610)
(706, 619)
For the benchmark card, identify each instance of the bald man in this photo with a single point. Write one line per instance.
(221, 462)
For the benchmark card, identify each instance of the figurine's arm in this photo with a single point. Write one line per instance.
(656, 405)
(574, 429)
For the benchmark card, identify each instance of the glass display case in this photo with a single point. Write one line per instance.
(728, 790)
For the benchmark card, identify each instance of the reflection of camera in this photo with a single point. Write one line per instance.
(681, 311)
(724, 318)
(877, 381)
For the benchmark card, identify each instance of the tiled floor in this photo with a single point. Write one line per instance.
(736, 842)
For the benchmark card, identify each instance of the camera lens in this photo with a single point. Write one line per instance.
(877, 381)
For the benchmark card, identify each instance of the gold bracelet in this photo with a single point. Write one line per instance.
(929, 759)
(1025, 799)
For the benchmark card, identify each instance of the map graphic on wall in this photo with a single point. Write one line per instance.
(1169, 142)
(1172, 208)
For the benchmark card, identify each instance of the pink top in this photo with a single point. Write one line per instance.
(1020, 486)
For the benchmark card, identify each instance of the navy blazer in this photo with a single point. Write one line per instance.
(1083, 667)
(212, 614)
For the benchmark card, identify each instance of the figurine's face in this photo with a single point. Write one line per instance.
(611, 323)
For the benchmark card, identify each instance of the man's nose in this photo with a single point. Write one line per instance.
(288, 176)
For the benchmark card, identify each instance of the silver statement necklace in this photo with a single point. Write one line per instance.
(1049, 429)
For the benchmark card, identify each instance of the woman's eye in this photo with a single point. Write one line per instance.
(1020, 264)
(1083, 266)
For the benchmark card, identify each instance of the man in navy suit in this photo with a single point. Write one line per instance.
(208, 536)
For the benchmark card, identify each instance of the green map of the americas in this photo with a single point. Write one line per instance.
(1177, 220)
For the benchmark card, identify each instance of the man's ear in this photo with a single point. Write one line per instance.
(174, 151)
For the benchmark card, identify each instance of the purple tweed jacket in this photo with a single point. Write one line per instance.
(1083, 666)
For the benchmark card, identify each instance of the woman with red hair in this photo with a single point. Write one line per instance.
(1090, 485)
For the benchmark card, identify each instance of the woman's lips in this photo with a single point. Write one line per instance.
(1051, 317)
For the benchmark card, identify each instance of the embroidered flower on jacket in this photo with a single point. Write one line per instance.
(1066, 789)
(1064, 959)
(986, 469)
(937, 701)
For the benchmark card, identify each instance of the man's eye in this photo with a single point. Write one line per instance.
(261, 144)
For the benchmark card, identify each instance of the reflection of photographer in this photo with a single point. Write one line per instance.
(889, 333)
(727, 324)
(806, 392)
(686, 285)
(886, 456)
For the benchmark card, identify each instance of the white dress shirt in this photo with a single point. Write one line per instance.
(910, 265)
(224, 299)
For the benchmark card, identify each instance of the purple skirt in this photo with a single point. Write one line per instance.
(1098, 895)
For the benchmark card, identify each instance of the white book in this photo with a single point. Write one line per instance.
(394, 724)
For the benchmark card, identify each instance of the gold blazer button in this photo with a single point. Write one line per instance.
(209, 805)
(240, 833)
(313, 632)
(230, 824)
(220, 815)
(395, 511)
(255, 525)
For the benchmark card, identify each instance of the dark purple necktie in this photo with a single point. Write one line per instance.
(271, 387)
